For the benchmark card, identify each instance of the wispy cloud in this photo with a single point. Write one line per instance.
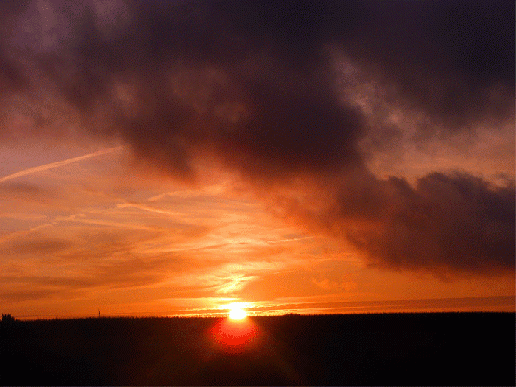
(57, 164)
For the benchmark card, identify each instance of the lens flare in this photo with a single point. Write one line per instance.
(236, 333)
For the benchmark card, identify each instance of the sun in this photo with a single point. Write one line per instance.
(237, 314)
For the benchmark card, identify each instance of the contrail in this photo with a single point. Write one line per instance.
(46, 167)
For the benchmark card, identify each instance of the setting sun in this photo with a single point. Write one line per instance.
(237, 314)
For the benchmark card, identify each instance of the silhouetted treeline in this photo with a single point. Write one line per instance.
(374, 349)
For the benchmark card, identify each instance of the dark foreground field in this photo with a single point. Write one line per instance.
(386, 349)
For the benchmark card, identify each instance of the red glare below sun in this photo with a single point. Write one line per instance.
(235, 335)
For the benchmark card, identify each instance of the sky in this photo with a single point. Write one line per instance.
(179, 157)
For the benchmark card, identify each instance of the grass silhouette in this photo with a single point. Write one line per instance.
(373, 349)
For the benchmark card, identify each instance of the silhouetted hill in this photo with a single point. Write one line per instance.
(375, 349)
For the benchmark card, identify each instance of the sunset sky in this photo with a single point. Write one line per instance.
(176, 157)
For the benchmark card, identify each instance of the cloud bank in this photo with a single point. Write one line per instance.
(252, 86)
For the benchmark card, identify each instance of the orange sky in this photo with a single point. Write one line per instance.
(96, 233)
(138, 177)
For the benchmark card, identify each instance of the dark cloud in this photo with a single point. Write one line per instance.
(449, 59)
(447, 224)
(11, 77)
(250, 84)
(456, 222)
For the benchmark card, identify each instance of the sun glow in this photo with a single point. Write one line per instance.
(237, 332)
(237, 314)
